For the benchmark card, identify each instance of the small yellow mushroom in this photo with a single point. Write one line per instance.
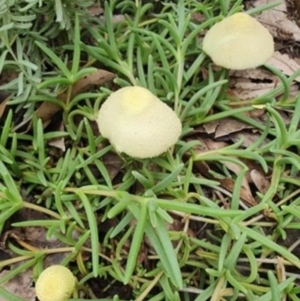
(55, 283)
(137, 123)
(239, 42)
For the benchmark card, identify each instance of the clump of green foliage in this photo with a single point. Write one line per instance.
(159, 227)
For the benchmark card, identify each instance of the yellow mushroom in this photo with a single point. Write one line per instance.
(137, 123)
(239, 42)
(55, 283)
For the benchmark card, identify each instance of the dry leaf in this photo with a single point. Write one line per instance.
(95, 10)
(224, 127)
(297, 6)
(3, 103)
(58, 142)
(277, 22)
(7, 76)
(227, 183)
(248, 138)
(211, 127)
(115, 18)
(214, 145)
(251, 83)
(256, 74)
(230, 125)
(97, 78)
(198, 17)
(113, 164)
(35, 237)
(285, 64)
(244, 89)
(245, 194)
(20, 285)
(260, 181)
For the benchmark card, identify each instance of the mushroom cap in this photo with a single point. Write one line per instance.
(137, 123)
(55, 283)
(238, 42)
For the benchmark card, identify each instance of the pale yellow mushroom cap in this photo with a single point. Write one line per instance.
(137, 123)
(239, 42)
(55, 283)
